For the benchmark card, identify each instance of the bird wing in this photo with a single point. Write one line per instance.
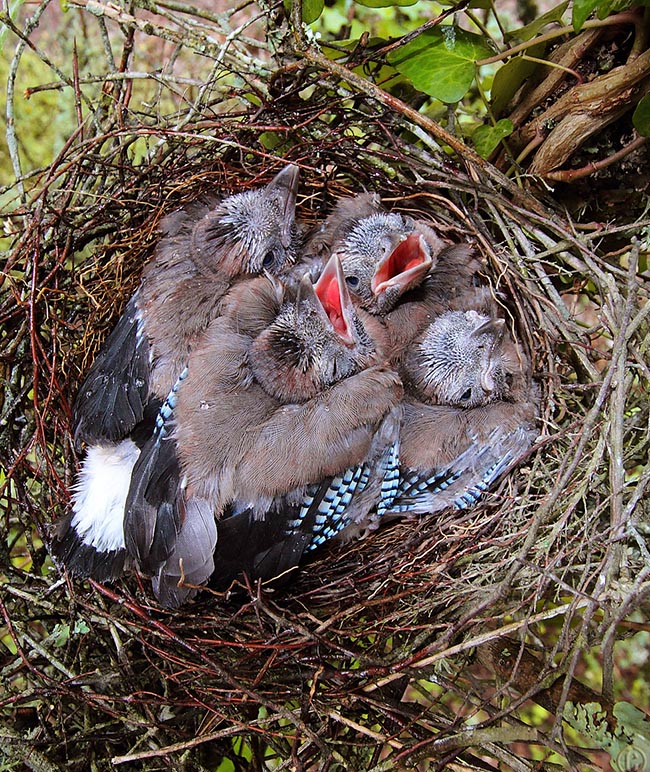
(113, 396)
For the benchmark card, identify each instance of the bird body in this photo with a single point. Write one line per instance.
(204, 249)
(468, 413)
(262, 415)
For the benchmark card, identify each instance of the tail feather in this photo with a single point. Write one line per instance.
(464, 481)
(260, 548)
(154, 506)
(191, 561)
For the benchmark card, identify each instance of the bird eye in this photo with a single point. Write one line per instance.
(466, 395)
(269, 259)
(353, 281)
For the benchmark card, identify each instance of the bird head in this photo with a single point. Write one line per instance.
(385, 255)
(255, 231)
(460, 361)
(316, 340)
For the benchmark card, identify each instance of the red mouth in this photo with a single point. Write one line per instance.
(407, 263)
(332, 292)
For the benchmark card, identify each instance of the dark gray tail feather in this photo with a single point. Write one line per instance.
(112, 398)
(263, 548)
(154, 506)
(80, 559)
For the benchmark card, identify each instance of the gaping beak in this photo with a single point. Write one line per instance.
(404, 267)
(332, 293)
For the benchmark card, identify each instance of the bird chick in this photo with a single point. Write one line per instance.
(383, 254)
(468, 415)
(299, 391)
(203, 251)
(262, 416)
(460, 360)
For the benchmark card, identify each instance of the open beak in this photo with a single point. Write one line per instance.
(332, 293)
(404, 267)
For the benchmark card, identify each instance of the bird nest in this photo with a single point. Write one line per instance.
(427, 643)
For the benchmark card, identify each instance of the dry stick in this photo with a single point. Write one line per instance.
(167, 633)
(423, 28)
(187, 744)
(616, 468)
(627, 17)
(569, 175)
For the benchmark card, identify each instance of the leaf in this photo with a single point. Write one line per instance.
(61, 633)
(384, 3)
(441, 61)
(311, 10)
(486, 138)
(80, 627)
(582, 9)
(530, 30)
(509, 77)
(641, 116)
(269, 140)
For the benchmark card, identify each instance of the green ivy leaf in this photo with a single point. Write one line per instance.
(441, 61)
(384, 3)
(510, 77)
(486, 138)
(61, 633)
(641, 116)
(582, 10)
(530, 30)
(269, 140)
(311, 10)
(80, 628)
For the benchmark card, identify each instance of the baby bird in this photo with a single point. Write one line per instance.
(262, 415)
(383, 254)
(468, 415)
(205, 248)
